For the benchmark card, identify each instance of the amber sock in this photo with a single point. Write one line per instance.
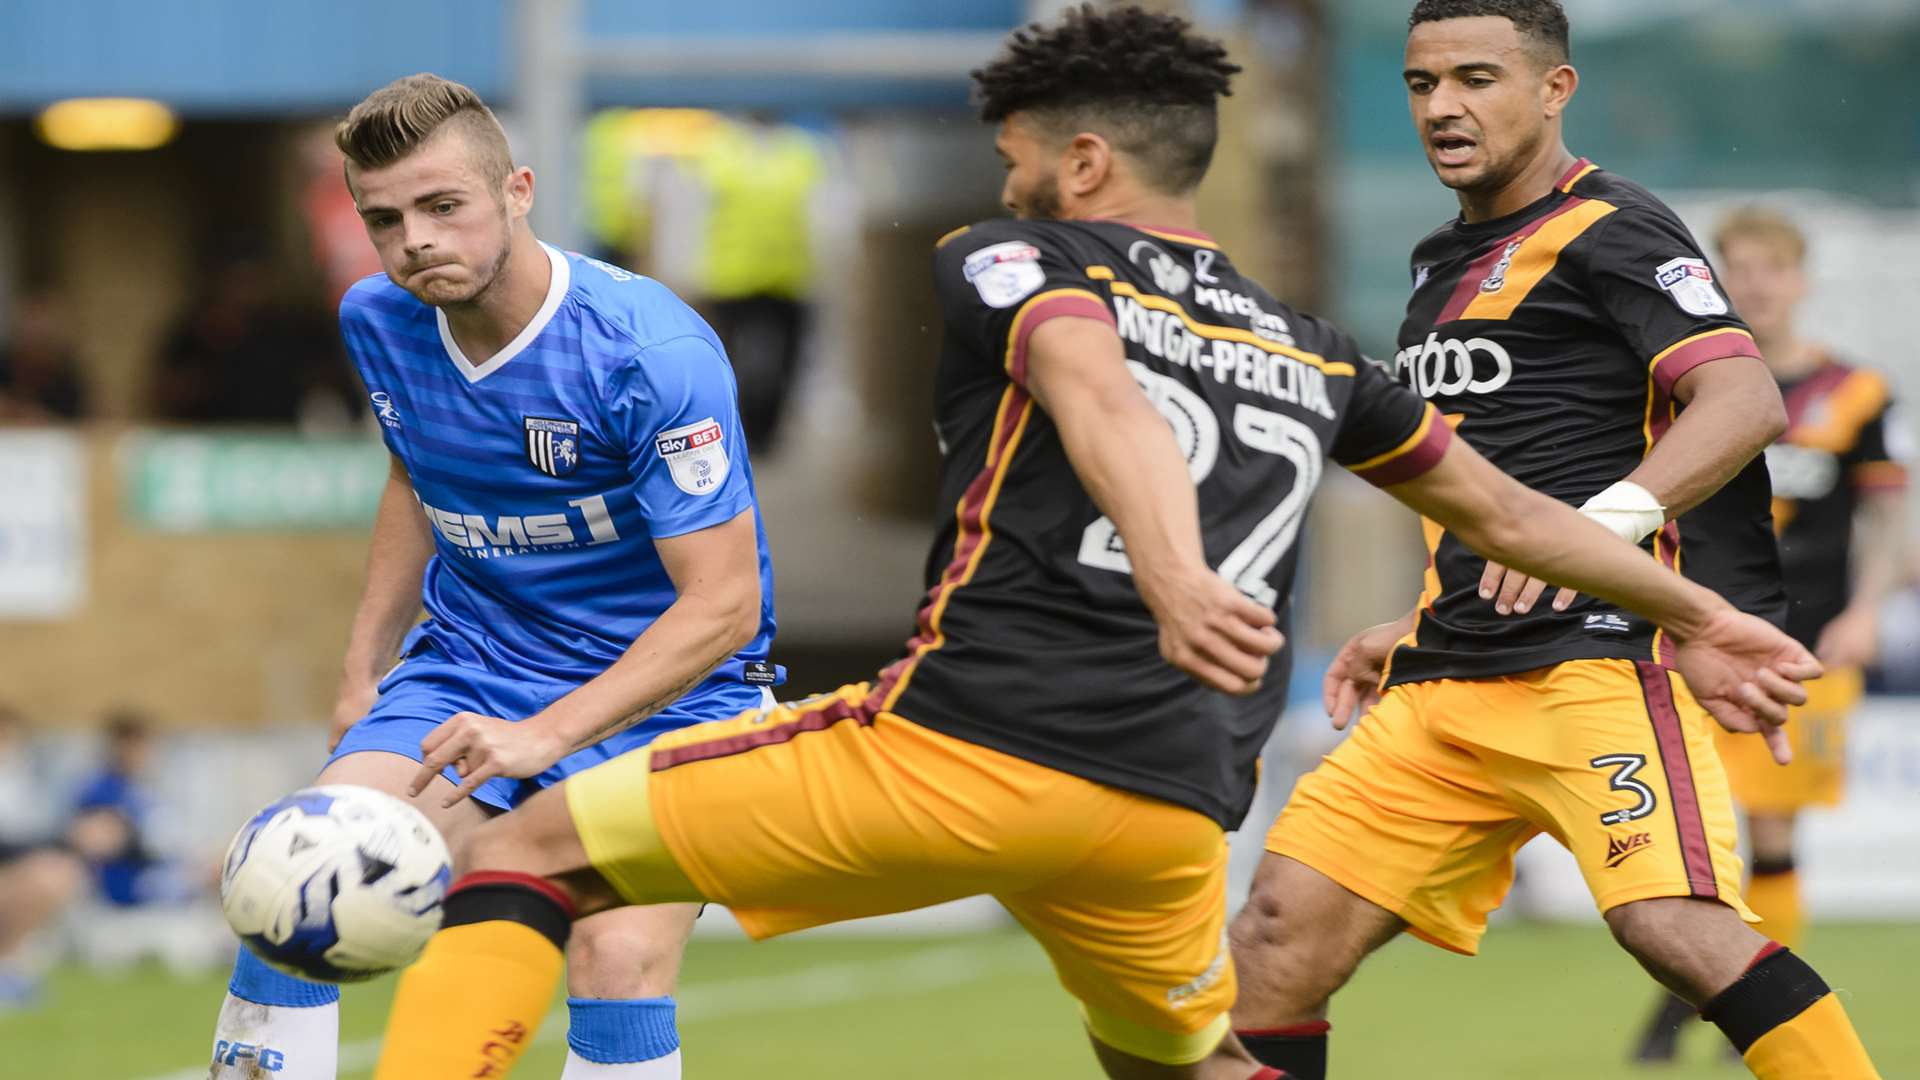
(1774, 894)
(474, 1000)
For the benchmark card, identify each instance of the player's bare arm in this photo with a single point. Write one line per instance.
(1125, 455)
(390, 604)
(1732, 412)
(716, 578)
(1742, 669)
(1852, 639)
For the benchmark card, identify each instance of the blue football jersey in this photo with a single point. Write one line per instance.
(548, 471)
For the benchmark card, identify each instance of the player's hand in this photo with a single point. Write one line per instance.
(1747, 674)
(350, 706)
(1852, 639)
(1513, 592)
(1352, 682)
(480, 748)
(1213, 632)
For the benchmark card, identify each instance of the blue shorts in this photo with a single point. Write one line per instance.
(427, 689)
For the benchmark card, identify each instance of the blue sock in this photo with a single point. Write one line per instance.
(617, 1032)
(254, 981)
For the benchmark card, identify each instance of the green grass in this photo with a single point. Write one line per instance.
(1542, 1003)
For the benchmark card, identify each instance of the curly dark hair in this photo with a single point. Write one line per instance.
(1542, 22)
(1141, 79)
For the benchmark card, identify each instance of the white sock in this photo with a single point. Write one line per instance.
(281, 1041)
(660, 1068)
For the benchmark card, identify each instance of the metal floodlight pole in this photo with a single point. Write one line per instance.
(550, 98)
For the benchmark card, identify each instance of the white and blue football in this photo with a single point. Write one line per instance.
(336, 884)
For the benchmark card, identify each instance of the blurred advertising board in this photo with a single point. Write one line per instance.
(210, 482)
(43, 526)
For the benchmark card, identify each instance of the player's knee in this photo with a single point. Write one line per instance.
(1272, 947)
(611, 958)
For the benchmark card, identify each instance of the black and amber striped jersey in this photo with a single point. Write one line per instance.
(1034, 640)
(1552, 339)
(1842, 440)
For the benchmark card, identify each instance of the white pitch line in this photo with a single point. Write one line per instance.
(927, 969)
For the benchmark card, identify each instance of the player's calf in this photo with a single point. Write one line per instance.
(622, 967)
(1775, 1009)
(1299, 938)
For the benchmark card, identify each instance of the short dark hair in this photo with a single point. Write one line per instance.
(1543, 22)
(1141, 79)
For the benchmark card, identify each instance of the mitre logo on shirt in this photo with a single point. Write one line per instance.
(384, 408)
(696, 455)
(1168, 275)
(1690, 282)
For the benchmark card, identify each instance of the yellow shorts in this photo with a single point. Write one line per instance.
(826, 809)
(1818, 731)
(1421, 809)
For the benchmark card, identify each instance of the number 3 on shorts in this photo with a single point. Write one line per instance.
(1624, 766)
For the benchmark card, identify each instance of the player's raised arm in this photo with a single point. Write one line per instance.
(389, 605)
(1124, 454)
(1740, 667)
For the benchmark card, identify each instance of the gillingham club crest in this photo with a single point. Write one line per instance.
(553, 445)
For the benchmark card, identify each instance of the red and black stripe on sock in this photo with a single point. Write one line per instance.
(1776, 987)
(1298, 1050)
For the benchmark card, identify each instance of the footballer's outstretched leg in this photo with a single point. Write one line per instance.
(1297, 941)
(476, 997)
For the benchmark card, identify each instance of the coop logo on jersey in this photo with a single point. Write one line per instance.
(1496, 278)
(1005, 274)
(1168, 275)
(1690, 283)
(696, 455)
(384, 408)
(1446, 366)
(553, 445)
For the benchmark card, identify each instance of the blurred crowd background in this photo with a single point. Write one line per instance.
(188, 469)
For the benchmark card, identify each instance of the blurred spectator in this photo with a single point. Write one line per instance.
(39, 880)
(335, 234)
(39, 378)
(110, 819)
(238, 357)
(723, 211)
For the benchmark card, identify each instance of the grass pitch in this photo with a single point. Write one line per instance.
(1542, 1003)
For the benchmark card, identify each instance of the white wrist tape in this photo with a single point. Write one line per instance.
(1628, 510)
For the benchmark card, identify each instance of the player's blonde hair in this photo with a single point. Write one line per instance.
(398, 118)
(1764, 224)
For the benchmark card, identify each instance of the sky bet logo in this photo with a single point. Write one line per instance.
(681, 440)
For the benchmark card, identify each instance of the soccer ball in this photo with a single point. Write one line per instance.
(336, 884)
